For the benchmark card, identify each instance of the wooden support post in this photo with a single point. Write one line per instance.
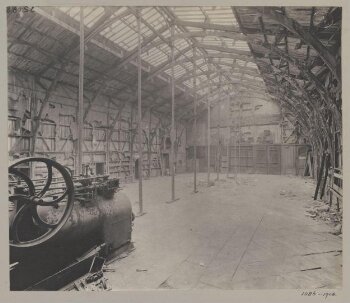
(327, 166)
(81, 96)
(45, 100)
(139, 111)
(195, 124)
(319, 176)
(94, 98)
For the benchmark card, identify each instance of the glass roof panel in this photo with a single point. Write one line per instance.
(123, 33)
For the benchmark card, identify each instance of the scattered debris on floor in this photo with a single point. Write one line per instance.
(337, 229)
(201, 183)
(322, 211)
(339, 251)
(287, 194)
(93, 282)
(107, 269)
(247, 181)
(165, 285)
(313, 268)
(213, 238)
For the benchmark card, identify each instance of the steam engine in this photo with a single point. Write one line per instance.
(62, 226)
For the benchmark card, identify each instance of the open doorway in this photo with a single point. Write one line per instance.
(136, 172)
(100, 168)
(166, 164)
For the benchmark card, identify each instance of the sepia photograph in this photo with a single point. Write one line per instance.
(175, 148)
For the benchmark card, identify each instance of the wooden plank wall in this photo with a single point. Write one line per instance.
(57, 134)
(270, 159)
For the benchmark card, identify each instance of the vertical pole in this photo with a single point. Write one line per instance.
(234, 123)
(172, 131)
(149, 144)
(228, 148)
(218, 164)
(234, 143)
(195, 123)
(33, 107)
(239, 137)
(108, 138)
(334, 143)
(208, 134)
(81, 95)
(131, 145)
(139, 111)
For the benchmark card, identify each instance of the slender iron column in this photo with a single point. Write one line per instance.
(139, 111)
(172, 131)
(195, 123)
(208, 134)
(81, 95)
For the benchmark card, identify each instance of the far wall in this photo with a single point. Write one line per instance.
(258, 121)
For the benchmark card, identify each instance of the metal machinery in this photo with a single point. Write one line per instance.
(61, 226)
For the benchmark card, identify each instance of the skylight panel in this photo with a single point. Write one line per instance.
(240, 62)
(202, 78)
(119, 30)
(157, 59)
(220, 15)
(181, 44)
(166, 34)
(241, 45)
(188, 65)
(179, 72)
(74, 12)
(112, 29)
(91, 18)
(188, 83)
(91, 14)
(154, 18)
(189, 14)
(252, 65)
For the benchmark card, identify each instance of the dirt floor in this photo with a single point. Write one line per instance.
(254, 234)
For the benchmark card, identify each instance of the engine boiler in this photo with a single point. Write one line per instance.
(58, 221)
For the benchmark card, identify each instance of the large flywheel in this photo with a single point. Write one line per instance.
(30, 198)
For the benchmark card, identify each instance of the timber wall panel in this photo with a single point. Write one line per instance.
(57, 134)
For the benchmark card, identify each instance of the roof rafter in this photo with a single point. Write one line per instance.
(308, 37)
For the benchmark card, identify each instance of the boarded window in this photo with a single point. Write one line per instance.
(88, 133)
(100, 135)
